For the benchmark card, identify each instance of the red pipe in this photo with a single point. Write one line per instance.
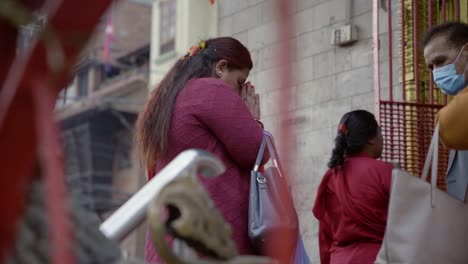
(444, 10)
(457, 17)
(415, 48)
(17, 69)
(403, 50)
(390, 49)
(444, 18)
(286, 26)
(375, 48)
(286, 80)
(60, 237)
(431, 80)
(390, 142)
(403, 70)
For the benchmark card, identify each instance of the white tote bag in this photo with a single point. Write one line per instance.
(425, 224)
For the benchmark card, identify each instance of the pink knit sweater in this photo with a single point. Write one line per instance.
(209, 115)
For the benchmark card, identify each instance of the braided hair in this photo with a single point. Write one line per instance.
(355, 130)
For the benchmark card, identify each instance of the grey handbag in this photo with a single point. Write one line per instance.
(271, 207)
(425, 224)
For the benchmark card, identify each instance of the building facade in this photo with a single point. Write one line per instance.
(98, 110)
(334, 68)
(177, 25)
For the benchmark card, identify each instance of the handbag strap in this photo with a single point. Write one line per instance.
(261, 151)
(273, 152)
(432, 158)
(268, 141)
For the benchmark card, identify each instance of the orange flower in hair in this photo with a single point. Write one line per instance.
(195, 50)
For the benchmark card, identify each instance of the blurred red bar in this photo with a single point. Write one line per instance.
(431, 80)
(60, 237)
(444, 18)
(375, 48)
(403, 50)
(22, 80)
(444, 10)
(390, 73)
(390, 49)
(416, 48)
(285, 27)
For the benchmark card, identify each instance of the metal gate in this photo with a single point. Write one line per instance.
(407, 100)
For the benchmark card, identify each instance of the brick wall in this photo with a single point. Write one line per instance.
(329, 81)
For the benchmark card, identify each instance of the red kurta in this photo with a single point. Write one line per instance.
(209, 115)
(351, 206)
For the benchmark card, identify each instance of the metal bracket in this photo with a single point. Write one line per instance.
(383, 4)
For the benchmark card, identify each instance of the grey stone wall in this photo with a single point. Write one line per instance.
(329, 81)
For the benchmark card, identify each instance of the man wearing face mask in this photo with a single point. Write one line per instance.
(446, 54)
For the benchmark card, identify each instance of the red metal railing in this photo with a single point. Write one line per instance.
(29, 86)
(407, 121)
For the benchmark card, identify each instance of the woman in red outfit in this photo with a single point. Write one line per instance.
(352, 199)
(204, 102)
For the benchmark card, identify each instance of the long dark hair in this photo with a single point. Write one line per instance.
(153, 124)
(355, 130)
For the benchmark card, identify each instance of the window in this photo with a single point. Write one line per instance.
(167, 30)
(124, 150)
(66, 95)
(189, 20)
(83, 82)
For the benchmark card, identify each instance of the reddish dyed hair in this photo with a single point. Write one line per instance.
(154, 123)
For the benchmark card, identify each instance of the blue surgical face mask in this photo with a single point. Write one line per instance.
(447, 78)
